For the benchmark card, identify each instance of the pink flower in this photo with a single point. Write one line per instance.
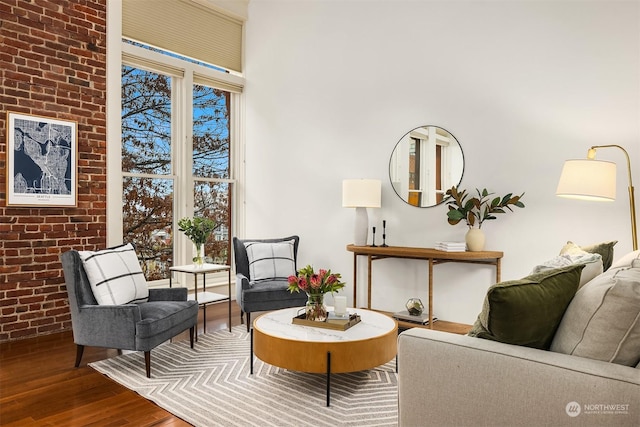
(309, 281)
(316, 281)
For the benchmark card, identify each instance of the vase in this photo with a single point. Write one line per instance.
(315, 309)
(198, 260)
(475, 240)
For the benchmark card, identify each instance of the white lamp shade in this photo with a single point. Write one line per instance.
(588, 179)
(361, 193)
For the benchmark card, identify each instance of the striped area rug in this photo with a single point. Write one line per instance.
(211, 386)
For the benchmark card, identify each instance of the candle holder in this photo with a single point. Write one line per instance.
(384, 234)
(373, 243)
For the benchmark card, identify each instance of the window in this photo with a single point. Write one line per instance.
(173, 166)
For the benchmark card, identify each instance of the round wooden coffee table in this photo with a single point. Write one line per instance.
(278, 342)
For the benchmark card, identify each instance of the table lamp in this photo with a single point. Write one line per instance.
(591, 179)
(361, 194)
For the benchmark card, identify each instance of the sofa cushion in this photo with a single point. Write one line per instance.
(527, 311)
(592, 264)
(268, 261)
(605, 249)
(603, 320)
(160, 316)
(115, 275)
(627, 260)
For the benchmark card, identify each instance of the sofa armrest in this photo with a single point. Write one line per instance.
(447, 379)
(168, 294)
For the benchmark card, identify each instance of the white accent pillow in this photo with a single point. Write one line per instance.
(115, 275)
(592, 263)
(627, 260)
(602, 321)
(269, 261)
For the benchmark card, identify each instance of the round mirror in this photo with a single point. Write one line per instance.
(425, 163)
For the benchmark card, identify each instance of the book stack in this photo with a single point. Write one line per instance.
(420, 318)
(451, 246)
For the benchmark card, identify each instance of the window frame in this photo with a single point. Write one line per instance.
(184, 75)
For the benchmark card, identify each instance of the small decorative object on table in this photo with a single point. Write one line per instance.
(422, 319)
(198, 231)
(331, 322)
(315, 285)
(414, 306)
(384, 234)
(414, 313)
(477, 209)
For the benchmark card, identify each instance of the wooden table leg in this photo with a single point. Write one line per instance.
(355, 280)
(430, 293)
(498, 270)
(368, 281)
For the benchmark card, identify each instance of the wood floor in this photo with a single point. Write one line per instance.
(39, 386)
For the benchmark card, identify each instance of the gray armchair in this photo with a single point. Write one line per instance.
(139, 327)
(262, 295)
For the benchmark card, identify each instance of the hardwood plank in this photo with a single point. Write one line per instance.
(39, 384)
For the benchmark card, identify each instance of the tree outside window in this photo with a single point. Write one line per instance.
(152, 178)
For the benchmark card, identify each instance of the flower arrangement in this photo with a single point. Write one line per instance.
(311, 282)
(198, 231)
(315, 285)
(478, 209)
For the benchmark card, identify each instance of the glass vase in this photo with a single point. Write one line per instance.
(198, 260)
(315, 308)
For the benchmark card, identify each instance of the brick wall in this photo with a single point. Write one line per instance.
(53, 64)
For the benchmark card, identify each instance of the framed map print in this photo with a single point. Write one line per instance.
(41, 161)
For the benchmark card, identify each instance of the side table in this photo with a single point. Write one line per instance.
(205, 297)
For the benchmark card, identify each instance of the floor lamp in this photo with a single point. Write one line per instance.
(361, 194)
(592, 179)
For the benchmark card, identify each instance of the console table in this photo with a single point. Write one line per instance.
(433, 256)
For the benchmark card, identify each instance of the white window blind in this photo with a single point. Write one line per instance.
(187, 28)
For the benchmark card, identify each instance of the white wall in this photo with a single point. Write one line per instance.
(523, 85)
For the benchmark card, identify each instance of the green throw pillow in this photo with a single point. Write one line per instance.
(528, 311)
(605, 249)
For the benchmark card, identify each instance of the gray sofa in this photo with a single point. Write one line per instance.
(540, 354)
(456, 380)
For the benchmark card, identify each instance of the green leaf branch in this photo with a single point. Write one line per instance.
(197, 229)
(480, 208)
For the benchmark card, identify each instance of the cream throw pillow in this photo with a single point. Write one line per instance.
(603, 320)
(605, 249)
(592, 265)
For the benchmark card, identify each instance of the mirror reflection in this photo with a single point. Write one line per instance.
(425, 163)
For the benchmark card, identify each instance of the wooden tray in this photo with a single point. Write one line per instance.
(335, 324)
